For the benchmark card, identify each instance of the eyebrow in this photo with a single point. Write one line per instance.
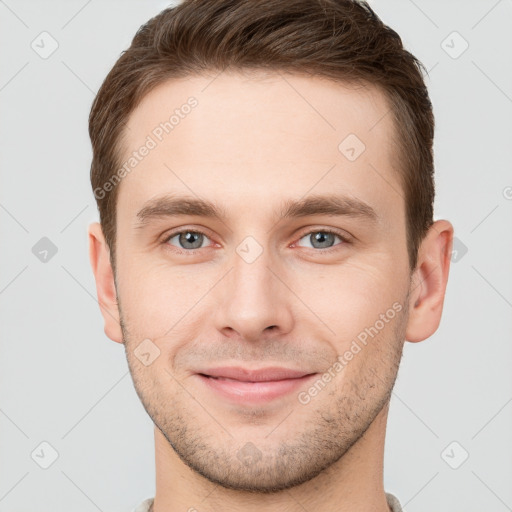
(333, 205)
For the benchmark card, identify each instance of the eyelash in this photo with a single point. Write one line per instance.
(344, 239)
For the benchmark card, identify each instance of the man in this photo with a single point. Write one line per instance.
(264, 177)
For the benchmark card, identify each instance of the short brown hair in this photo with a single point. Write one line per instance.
(343, 40)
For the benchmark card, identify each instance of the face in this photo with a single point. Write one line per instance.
(263, 229)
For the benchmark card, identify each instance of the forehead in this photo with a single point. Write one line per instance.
(268, 134)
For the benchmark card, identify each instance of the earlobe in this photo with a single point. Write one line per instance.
(428, 283)
(99, 256)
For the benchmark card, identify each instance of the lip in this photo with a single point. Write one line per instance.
(255, 386)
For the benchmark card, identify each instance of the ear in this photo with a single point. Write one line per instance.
(428, 283)
(99, 255)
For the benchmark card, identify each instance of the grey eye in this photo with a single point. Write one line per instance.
(320, 239)
(188, 239)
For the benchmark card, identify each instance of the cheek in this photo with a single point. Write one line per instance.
(346, 299)
(159, 299)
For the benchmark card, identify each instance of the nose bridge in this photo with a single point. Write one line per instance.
(253, 299)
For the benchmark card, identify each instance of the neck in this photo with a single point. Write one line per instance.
(354, 482)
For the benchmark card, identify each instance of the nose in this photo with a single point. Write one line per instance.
(252, 300)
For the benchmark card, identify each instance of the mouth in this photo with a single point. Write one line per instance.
(244, 385)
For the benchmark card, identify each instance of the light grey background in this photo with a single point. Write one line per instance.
(62, 381)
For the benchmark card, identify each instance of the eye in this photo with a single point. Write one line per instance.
(322, 239)
(187, 239)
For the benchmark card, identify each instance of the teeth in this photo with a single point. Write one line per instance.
(226, 378)
(252, 381)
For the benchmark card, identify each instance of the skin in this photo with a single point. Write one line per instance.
(251, 143)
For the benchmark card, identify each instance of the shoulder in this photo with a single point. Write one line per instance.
(393, 503)
(144, 506)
